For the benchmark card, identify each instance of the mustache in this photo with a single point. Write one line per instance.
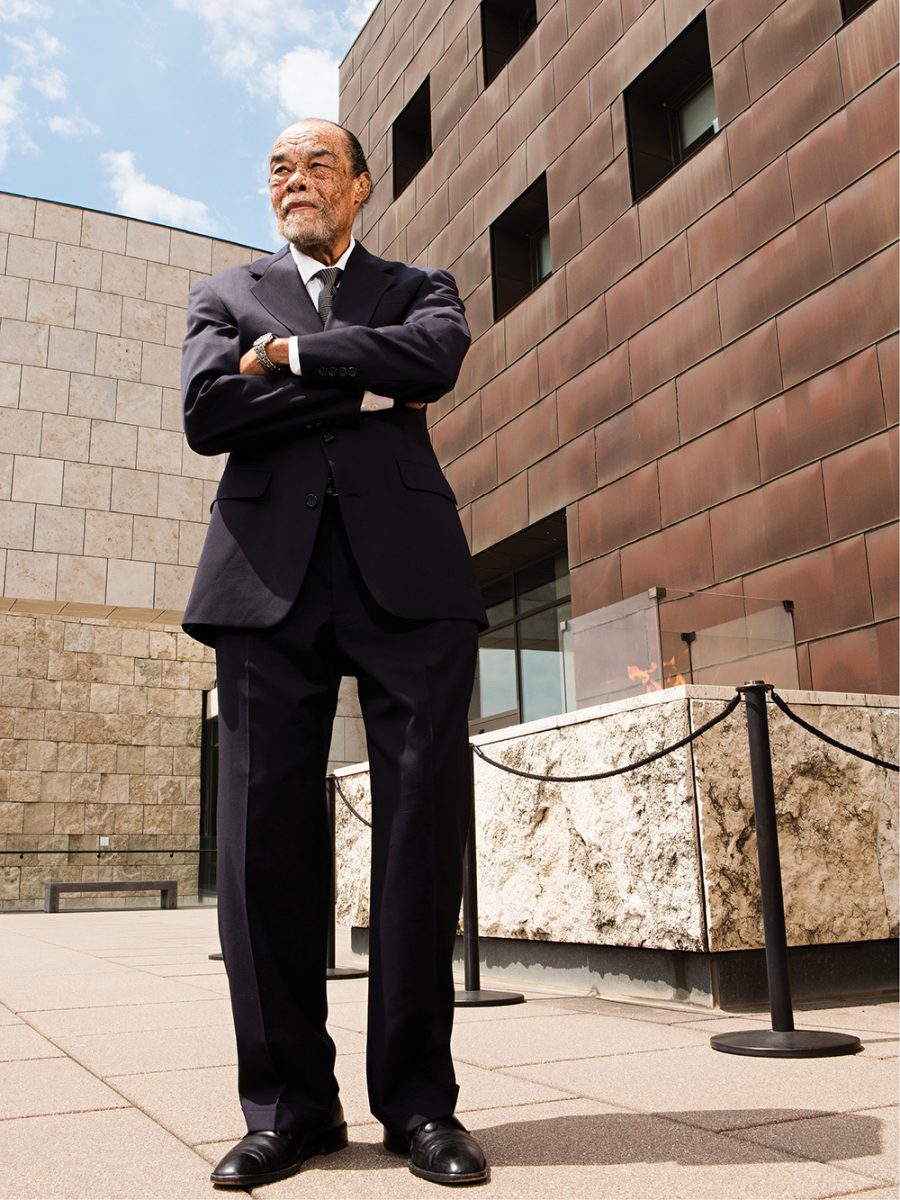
(289, 204)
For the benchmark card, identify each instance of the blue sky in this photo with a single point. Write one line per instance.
(164, 109)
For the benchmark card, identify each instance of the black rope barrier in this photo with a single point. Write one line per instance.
(642, 762)
(347, 803)
(819, 733)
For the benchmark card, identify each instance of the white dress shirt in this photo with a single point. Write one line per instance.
(308, 268)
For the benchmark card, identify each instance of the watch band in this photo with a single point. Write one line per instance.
(259, 347)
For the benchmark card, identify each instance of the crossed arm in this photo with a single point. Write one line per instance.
(230, 403)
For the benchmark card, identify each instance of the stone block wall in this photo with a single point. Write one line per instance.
(707, 381)
(100, 727)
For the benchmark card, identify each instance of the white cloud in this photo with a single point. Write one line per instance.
(357, 13)
(306, 83)
(12, 130)
(136, 196)
(15, 10)
(73, 127)
(40, 47)
(51, 83)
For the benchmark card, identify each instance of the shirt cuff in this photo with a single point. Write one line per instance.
(294, 355)
(373, 403)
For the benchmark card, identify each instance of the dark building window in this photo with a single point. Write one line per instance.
(520, 674)
(671, 109)
(505, 24)
(851, 7)
(520, 248)
(412, 139)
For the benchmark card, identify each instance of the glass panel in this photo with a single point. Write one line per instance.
(495, 675)
(697, 117)
(543, 264)
(543, 583)
(498, 600)
(542, 664)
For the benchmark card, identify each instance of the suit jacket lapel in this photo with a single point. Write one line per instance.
(363, 283)
(281, 292)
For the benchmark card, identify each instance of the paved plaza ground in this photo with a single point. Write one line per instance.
(117, 1080)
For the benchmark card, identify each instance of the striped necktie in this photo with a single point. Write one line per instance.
(330, 277)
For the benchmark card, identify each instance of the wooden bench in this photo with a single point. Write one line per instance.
(168, 889)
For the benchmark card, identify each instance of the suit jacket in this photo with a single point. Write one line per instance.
(395, 330)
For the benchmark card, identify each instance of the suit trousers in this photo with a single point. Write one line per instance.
(277, 691)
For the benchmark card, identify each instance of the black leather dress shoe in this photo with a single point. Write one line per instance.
(441, 1151)
(264, 1156)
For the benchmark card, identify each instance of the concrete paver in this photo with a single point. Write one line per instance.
(119, 1084)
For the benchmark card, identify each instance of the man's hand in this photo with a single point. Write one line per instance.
(277, 351)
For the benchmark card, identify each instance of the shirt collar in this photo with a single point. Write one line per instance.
(308, 266)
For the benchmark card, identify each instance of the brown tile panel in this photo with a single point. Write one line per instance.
(552, 32)
(861, 485)
(523, 67)
(570, 117)
(854, 311)
(578, 343)
(748, 218)
(864, 660)
(619, 513)
(884, 569)
(500, 513)
(714, 467)
(472, 267)
(537, 316)
(631, 9)
(604, 388)
(820, 416)
(852, 142)
(637, 434)
(473, 172)
(428, 221)
(829, 587)
(437, 169)
(475, 472)
(729, 382)
(451, 242)
(608, 257)
(675, 342)
(486, 358)
(731, 87)
(525, 114)
(791, 109)
(679, 556)
(449, 66)
(565, 237)
(461, 95)
(689, 192)
(863, 218)
(596, 584)
(790, 266)
(867, 46)
(605, 198)
(499, 192)
(527, 438)
(589, 40)
(648, 291)
(790, 34)
(775, 521)
(480, 309)
(484, 114)
(890, 378)
(510, 393)
(397, 60)
(458, 431)
(572, 533)
(729, 23)
(644, 41)
(583, 161)
(562, 477)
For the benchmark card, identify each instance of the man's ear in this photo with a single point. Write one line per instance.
(363, 187)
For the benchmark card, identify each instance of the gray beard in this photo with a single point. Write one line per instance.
(308, 237)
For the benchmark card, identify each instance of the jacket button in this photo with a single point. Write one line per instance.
(342, 370)
(351, 371)
(323, 370)
(312, 500)
(328, 437)
(332, 370)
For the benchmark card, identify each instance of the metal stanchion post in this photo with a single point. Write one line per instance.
(782, 1040)
(333, 972)
(472, 994)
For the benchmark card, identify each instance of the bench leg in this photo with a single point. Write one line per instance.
(51, 898)
(169, 897)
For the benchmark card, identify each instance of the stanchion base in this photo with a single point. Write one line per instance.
(466, 999)
(345, 973)
(217, 957)
(796, 1043)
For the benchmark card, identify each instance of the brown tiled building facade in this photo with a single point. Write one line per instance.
(706, 381)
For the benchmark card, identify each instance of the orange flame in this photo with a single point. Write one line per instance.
(644, 675)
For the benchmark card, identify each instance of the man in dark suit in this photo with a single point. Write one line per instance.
(334, 548)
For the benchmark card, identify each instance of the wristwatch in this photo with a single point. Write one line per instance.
(259, 347)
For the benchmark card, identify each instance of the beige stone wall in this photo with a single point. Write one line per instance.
(100, 728)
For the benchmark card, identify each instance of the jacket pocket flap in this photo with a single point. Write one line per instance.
(240, 483)
(425, 477)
